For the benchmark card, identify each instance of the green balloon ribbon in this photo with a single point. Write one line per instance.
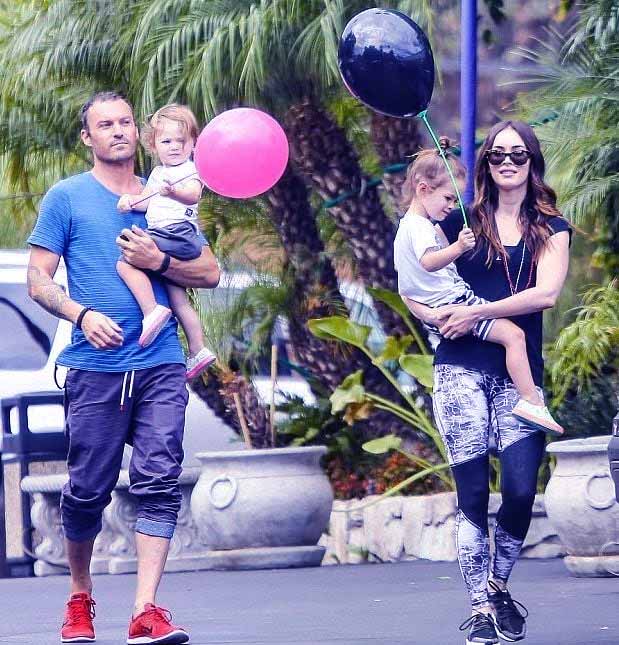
(424, 117)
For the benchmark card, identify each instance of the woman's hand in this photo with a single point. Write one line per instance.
(460, 320)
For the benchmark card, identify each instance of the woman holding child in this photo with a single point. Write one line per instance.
(515, 266)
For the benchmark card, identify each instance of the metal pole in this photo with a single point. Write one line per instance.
(468, 90)
(4, 572)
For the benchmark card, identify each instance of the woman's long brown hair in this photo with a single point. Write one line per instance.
(539, 204)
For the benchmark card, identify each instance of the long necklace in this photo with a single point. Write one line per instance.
(512, 288)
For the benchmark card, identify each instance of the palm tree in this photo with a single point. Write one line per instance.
(280, 55)
(578, 87)
(211, 55)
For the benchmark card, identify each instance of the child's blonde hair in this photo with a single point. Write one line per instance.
(181, 114)
(429, 167)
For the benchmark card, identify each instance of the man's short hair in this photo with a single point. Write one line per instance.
(100, 97)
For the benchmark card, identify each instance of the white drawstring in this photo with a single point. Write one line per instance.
(122, 393)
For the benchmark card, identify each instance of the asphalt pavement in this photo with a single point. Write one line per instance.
(410, 603)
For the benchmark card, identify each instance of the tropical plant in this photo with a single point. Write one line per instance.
(579, 86)
(356, 400)
(590, 342)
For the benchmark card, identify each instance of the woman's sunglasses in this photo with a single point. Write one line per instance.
(518, 157)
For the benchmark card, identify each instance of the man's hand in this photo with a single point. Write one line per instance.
(466, 240)
(139, 249)
(124, 203)
(100, 331)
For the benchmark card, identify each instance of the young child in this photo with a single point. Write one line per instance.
(170, 199)
(427, 274)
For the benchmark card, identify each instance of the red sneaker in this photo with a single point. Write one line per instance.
(77, 626)
(154, 625)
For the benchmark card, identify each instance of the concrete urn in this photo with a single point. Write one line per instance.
(581, 505)
(262, 508)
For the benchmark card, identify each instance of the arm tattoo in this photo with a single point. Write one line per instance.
(47, 293)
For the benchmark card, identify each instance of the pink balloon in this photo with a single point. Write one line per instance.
(241, 153)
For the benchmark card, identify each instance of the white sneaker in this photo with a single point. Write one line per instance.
(199, 363)
(153, 324)
(538, 416)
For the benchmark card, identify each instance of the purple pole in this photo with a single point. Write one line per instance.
(468, 90)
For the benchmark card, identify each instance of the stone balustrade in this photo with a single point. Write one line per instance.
(397, 528)
(421, 527)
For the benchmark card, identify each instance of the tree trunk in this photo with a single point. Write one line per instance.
(395, 141)
(326, 158)
(217, 393)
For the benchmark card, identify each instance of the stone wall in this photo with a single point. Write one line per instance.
(411, 528)
(394, 529)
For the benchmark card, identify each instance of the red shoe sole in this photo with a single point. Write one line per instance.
(177, 637)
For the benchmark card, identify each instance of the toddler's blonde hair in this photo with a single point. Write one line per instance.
(429, 167)
(181, 114)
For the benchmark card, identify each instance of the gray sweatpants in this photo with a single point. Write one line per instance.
(144, 408)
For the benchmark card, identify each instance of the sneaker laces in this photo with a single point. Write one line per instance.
(478, 619)
(80, 608)
(504, 605)
(159, 612)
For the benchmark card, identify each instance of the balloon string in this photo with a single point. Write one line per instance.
(178, 181)
(424, 117)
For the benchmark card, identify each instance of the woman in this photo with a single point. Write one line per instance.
(519, 264)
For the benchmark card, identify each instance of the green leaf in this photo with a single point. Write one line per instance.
(394, 348)
(419, 366)
(350, 391)
(340, 328)
(391, 299)
(382, 445)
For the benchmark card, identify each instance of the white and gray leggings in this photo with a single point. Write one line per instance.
(468, 405)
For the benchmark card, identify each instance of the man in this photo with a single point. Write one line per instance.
(116, 391)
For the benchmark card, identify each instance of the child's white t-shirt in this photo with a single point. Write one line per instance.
(163, 211)
(415, 236)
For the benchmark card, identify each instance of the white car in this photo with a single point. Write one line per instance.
(31, 339)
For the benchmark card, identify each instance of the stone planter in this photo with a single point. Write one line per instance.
(580, 501)
(262, 508)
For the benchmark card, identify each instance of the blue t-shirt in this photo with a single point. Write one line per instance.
(492, 284)
(78, 220)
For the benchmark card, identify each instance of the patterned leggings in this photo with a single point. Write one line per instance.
(468, 405)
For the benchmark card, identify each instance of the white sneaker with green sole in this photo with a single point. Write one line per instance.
(538, 416)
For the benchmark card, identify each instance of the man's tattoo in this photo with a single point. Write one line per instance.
(47, 293)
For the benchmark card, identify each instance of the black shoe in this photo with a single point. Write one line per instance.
(482, 630)
(508, 619)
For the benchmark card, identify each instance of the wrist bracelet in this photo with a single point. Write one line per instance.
(165, 263)
(80, 318)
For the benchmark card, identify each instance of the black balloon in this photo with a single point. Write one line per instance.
(386, 62)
